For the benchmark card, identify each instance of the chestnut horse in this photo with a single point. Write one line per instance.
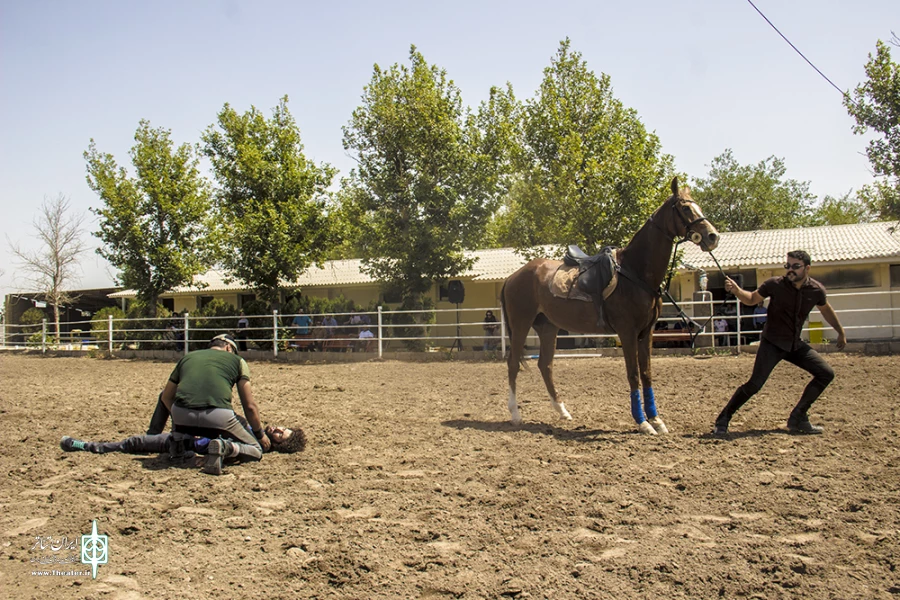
(630, 311)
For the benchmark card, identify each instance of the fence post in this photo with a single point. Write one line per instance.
(275, 332)
(3, 332)
(502, 332)
(186, 332)
(109, 332)
(379, 332)
(738, 312)
(43, 336)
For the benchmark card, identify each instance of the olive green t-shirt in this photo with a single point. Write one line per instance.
(205, 378)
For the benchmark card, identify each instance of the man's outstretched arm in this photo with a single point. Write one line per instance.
(251, 412)
(831, 317)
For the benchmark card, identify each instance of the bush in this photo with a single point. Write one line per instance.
(421, 303)
(100, 322)
(215, 318)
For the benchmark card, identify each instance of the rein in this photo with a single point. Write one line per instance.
(688, 321)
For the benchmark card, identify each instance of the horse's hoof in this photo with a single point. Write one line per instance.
(563, 413)
(658, 424)
(516, 421)
(646, 428)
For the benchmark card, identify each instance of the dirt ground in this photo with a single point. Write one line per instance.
(415, 485)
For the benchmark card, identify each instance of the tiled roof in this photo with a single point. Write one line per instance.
(833, 243)
(836, 243)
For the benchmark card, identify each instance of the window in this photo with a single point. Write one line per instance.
(246, 299)
(895, 276)
(846, 277)
(203, 301)
(168, 304)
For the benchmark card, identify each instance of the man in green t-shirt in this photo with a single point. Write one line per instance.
(198, 395)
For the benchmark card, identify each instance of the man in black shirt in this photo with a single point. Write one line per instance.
(791, 298)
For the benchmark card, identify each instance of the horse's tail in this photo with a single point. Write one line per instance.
(508, 328)
(503, 312)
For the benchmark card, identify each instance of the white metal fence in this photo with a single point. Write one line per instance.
(864, 316)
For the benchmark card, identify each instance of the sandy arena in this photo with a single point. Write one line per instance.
(415, 485)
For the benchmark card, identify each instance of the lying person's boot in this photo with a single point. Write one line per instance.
(215, 456)
(72, 445)
(804, 428)
(176, 448)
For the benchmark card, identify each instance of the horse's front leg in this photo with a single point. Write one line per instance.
(631, 348)
(547, 334)
(644, 350)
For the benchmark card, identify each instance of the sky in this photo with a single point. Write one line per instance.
(705, 75)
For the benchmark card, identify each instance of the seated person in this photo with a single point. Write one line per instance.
(301, 325)
(366, 338)
(198, 397)
(330, 325)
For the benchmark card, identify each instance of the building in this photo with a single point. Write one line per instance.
(860, 259)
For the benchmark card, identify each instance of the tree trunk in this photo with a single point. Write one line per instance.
(56, 320)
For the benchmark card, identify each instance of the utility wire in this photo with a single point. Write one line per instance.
(825, 77)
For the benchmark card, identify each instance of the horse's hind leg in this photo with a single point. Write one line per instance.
(644, 349)
(547, 333)
(517, 340)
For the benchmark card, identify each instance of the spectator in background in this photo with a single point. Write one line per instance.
(366, 338)
(759, 316)
(330, 325)
(355, 323)
(301, 324)
(490, 331)
(242, 332)
(721, 327)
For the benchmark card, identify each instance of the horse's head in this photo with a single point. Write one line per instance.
(682, 217)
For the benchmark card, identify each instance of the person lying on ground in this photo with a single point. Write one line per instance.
(284, 440)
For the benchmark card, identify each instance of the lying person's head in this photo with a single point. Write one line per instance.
(285, 439)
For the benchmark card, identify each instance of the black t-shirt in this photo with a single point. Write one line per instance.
(788, 309)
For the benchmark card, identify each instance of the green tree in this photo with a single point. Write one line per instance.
(875, 104)
(587, 170)
(272, 201)
(155, 227)
(844, 210)
(749, 197)
(426, 179)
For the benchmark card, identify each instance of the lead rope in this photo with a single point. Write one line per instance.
(689, 323)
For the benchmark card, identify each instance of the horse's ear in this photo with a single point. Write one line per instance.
(675, 186)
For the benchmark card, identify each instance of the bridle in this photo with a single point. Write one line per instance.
(689, 232)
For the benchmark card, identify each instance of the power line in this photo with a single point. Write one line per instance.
(825, 77)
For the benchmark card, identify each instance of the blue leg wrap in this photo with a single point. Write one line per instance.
(636, 411)
(650, 403)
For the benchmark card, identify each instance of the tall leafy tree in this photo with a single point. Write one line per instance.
(155, 227)
(875, 104)
(52, 267)
(740, 197)
(427, 177)
(589, 172)
(272, 201)
(844, 210)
